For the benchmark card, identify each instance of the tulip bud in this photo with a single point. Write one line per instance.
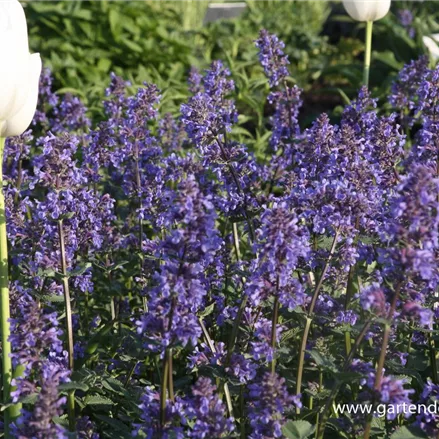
(19, 71)
(367, 10)
(431, 43)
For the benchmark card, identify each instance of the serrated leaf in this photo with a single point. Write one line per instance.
(51, 298)
(74, 385)
(298, 429)
(113, 386)
(323, 362)
(289, 334)
(98, 400)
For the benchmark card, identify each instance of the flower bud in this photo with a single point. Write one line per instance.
(367, 10)
(19, 71)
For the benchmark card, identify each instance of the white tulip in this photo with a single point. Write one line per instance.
(367, 10)
(19, 71)
(431, 43)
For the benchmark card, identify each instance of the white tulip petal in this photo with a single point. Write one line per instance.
(12, 19)
(18, 123)
(13, 83)
(367, 10)
(431, 43)
(14, 52)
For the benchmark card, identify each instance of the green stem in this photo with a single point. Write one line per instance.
(409, 345)
(13, 411)
(19, 177)
(322, 277)
(348, 342)
(273, 332)
(236, 242)
(130, 374)
(382, 358)
(349, 295)
(112, 308)
(432, 351)
(167, 380)
(69, 324)
(171, 377)
(139, 194)
(302, 358)
(367, 53)
(309, 318)
(165, 376)
(213, 349)
(329, 403)
(235, 329)
(237, 322)
(320, 390)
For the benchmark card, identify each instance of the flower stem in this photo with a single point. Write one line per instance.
(302, 358)
(349, 295)
(367, 53)
(237, 322)
(165, 376)
(382, 358)
(12, 411)
(309, 317)
(236, 242)
(213, 350)
(170, 378)
(320, 390)
(432, 351)
(322, 277)
(273, 332)
(69, 325)
(324, 417)
(139, 196)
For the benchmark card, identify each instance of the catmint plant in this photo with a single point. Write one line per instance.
(171, 280)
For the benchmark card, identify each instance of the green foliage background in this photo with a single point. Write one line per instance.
(158, 41)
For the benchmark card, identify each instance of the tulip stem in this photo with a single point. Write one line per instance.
(4, 298)
(13, 411)
(367, 53)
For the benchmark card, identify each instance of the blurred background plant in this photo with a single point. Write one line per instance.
(158, 41)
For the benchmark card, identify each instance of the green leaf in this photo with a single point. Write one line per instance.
(98, 400)
(115, 23)
(51, 298)
(113, 386)
(408, 433)
(323, 362)
(74, 385)
(208, 310)
(298, 429)
(80, 270)
(344, 96)
(389, 59)
(131, 45)
(29, 399)
(114, 423)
